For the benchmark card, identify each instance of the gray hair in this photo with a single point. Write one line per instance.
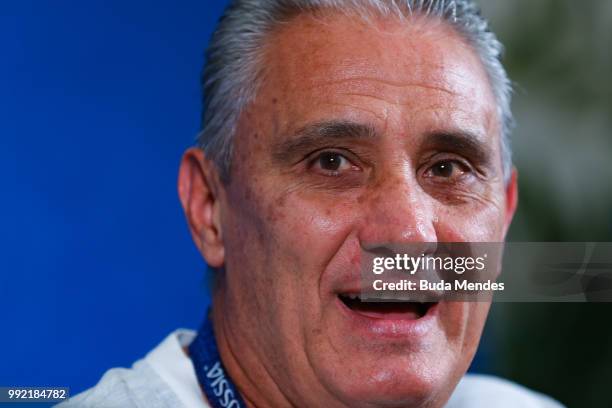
(231, 75)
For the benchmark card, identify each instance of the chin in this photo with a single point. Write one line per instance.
(398, 384)
(399, 357)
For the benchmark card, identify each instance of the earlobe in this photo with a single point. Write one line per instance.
(511, 199)
(198, 189)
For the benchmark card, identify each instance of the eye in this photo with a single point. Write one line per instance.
(448, 169)
(331, 163)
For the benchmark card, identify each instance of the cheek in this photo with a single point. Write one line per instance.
(293, 234)
(474, 324)
(481, 220)
(462, 324)
(310, 230)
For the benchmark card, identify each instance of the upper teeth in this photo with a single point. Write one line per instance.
(353, 296)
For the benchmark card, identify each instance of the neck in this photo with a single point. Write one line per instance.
(241, 359)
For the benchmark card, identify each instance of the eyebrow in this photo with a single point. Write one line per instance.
(461, 142)
(318, 133)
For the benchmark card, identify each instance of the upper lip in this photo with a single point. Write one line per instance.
(351, 284)
(418, 296)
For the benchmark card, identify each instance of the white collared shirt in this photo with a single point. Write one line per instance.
(166, 378)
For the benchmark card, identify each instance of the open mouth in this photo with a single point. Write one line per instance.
(392, 310)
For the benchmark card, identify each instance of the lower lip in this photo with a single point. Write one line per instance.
(391, 327)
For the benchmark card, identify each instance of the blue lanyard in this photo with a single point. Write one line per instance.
(218, 387)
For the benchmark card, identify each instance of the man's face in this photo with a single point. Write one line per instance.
(361, 135)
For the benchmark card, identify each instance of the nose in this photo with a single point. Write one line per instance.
(398, 213)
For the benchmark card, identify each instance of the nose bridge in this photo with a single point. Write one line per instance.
(398, 212)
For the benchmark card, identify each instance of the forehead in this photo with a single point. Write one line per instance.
(417, 69)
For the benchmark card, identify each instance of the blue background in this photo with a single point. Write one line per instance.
(99, 99)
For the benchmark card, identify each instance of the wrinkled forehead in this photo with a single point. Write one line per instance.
(335, 64)
(342, 44)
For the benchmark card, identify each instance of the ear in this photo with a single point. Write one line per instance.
(511, 199)
(199, 188)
